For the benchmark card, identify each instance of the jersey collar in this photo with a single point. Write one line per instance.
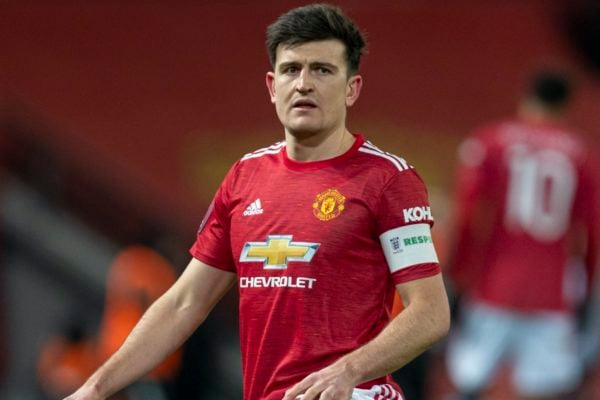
(314, 165)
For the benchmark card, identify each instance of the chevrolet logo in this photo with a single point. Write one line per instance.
(277, 251)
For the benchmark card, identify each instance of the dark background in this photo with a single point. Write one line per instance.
(119, 119)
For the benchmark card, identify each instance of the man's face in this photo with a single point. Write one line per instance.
(310, 87)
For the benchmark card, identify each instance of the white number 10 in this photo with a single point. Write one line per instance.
(541, 187)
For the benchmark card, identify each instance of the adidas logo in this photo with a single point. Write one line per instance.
(254, 208)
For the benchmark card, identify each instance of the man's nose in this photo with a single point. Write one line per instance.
(304, 84)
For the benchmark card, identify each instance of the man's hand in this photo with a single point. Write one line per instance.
(335, 382)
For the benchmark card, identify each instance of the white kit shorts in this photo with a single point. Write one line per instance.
(377, 392)
(541, 348)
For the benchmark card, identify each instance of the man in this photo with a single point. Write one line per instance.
(527, 214)
(317, 232)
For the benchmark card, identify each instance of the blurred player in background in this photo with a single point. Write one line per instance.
(317, 232)
(137, 276)
(66, 360)
(526, 221)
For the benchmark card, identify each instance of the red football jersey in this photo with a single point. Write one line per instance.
(523, 192)
(318, 248)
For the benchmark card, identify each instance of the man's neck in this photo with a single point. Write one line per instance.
(318, 147)
(537, 114)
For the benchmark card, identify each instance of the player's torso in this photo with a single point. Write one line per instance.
(313, 281)
(305, 233)
(535, 177)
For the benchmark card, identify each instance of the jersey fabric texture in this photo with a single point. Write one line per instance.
(304, 241)
(523, 190)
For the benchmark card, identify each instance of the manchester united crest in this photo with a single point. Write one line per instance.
(328, 205)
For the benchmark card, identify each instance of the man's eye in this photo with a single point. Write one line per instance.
(323, 70)
(290, 70)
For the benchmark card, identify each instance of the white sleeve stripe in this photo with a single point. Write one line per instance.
(269, 150)
(273, 149)
(369, 148)
(401, 160)
(407, 246)
(379, 154)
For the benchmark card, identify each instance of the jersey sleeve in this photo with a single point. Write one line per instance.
(404, 224)
(213, 245)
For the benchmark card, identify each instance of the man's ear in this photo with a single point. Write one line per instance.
(270, 81)
(353, 88)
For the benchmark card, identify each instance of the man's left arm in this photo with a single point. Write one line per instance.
(424, 321)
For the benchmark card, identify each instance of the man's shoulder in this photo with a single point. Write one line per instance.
(498, 134)
(382, 168)
(381, 159)
(251, 162)
(492, 130)
(268, 151)
(497, 137)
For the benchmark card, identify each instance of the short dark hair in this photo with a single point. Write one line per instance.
(312, 23)
(550, 88)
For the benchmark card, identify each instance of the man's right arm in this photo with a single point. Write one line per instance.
(162, 329)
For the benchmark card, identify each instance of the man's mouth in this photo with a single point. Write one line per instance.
(304, 104)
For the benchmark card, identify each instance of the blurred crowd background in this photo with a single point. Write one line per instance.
(118, 120)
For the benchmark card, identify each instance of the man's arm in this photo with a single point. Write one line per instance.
(424, 321)
(471, 221)
(162, 329)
